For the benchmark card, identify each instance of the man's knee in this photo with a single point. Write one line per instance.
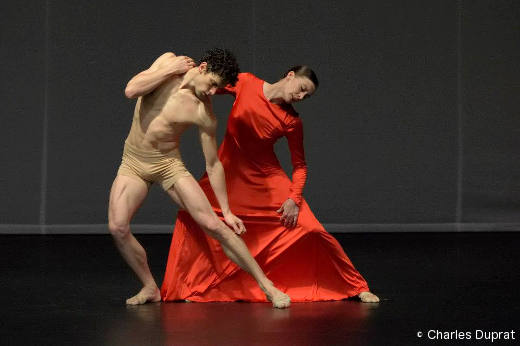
(214, 227)
(119, 230)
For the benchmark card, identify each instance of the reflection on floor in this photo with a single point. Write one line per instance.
(71, 290)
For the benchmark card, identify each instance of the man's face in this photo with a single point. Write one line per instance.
(297, 88)
(206, 83)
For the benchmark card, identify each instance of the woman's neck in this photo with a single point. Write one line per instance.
(274, 92)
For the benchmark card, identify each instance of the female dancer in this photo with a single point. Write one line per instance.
(283, 235)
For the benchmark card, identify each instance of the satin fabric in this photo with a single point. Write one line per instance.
(306, 262)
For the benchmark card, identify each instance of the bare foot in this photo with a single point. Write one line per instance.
(368, 297)
(145, 295)
(279, 299)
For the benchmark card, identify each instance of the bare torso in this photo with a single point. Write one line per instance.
(161, 116)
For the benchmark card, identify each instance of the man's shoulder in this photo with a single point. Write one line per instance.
(163, 57)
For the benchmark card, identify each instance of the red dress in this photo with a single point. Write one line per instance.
(306, 262)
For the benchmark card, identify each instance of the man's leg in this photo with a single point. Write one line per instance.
(126, 196)
(188, 194)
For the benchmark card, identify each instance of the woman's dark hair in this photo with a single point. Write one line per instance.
(223, 63)
(304, 71)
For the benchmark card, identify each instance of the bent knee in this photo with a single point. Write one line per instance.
(119, 229)
(214, 227)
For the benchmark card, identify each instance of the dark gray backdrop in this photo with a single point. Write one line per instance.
(415, 121)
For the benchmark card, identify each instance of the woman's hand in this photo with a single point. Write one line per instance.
(290, 212)
(235, 223)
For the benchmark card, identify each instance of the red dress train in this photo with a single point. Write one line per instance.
(306, 262)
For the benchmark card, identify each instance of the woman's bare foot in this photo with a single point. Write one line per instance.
(368, 297)
(145, 295)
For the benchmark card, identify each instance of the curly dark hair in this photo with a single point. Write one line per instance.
(222, 62)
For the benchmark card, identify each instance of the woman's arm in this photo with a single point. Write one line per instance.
(299, 174)
(291, 207)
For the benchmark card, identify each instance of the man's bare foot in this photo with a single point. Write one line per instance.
(368, 297)
(145, 295)
(279, 299)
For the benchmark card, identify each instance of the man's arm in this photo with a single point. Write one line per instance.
(163, 68)
(216, 173)
(214, 167)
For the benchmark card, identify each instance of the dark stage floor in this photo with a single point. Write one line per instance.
(59, 290)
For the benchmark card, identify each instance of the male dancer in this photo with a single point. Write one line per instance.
(172, 95)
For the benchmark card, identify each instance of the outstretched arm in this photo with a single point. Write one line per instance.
(216, 173)
(164, 67)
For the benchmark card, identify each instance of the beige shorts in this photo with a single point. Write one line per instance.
(152, 166)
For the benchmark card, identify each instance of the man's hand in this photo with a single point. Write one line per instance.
(235, 223)
(177, 64)
(290, 212)
(164, 67)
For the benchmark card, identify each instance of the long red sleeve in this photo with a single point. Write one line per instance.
(295, 139)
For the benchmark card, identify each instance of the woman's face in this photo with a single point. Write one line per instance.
(297, 88)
